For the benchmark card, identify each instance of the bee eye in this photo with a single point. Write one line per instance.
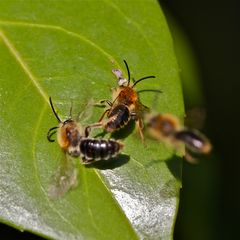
(69, 134)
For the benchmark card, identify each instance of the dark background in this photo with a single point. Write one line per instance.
(210, 200)
(209, 205)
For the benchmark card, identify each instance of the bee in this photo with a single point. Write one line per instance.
(75, 142)
(125, 105)
(167, 128)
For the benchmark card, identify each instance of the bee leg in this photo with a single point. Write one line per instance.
(133, 116)
(139, 123)
(106, 101)
(95, 125)
(87, 131)
(103, 103)
(90, 127)
(105, 112)
(181, 148)
(190, 158)
(140, 126)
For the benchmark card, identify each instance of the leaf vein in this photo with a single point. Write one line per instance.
(59, 28)
(23, 64)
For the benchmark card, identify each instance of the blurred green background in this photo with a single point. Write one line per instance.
(209, 204)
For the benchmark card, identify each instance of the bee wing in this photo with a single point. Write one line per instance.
(142, 109)
(195, 118)
(87, 111)
(190, 158)
(64, 178)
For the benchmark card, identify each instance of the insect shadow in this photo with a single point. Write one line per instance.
(125, 131)
(111, 163)
(172, 164)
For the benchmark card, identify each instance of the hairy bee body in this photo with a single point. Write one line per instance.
(98, 149)
(127, 96)
(163, 125)
(167, 128)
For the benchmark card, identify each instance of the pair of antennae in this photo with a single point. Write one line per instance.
(129, 76)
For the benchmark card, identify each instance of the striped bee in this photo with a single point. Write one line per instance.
(125, 105)
(74, 141)
(167, 128)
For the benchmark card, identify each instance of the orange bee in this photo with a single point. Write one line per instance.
(167, 128)
(124, 106)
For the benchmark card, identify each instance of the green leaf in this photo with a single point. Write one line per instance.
(66, 50)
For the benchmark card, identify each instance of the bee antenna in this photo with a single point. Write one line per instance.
(50, 133)
(139, 80)
(128, 71)
(150, 90)
(57, 117)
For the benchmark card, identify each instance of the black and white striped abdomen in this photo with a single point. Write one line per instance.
(194, 141)
(98, 149)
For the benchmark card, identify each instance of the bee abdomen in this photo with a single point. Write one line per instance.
(119, 117)
(98, 149)
(194, 141)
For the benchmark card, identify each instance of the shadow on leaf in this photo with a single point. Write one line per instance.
(125, 131)
(111, 163)
(169, 189)
(172, 164)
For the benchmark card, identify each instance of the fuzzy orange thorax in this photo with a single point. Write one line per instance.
(127, 96)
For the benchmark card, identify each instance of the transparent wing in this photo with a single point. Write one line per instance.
(64, 178)
(86, 112)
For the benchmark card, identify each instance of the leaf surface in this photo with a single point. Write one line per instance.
(67, 50)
